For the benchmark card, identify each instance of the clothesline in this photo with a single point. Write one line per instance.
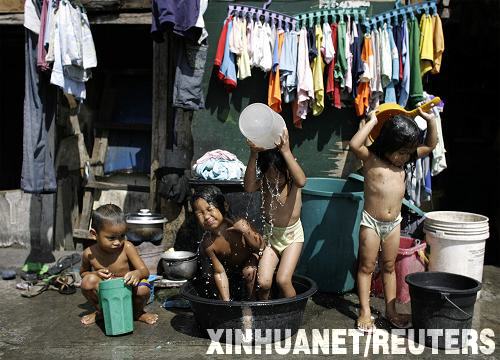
(256, 13)
(334, 13)
(402, 11)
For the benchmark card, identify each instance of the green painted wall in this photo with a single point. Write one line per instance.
(318, 146)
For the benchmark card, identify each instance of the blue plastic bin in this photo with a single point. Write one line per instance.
(331, 213)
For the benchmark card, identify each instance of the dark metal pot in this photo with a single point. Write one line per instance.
(179, 265)
(145, 226)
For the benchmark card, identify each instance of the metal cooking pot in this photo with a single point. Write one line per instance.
(179, 265)
(145, 226)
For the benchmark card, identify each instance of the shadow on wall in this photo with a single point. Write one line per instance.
(321, 143)
(254, 89)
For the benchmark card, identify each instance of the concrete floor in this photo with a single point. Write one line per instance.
(48, 326)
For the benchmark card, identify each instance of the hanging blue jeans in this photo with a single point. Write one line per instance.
(38, 174)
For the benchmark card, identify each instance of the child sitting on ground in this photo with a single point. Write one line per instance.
(233, 248)
(113, 256)
(280, 183)
(383, 164)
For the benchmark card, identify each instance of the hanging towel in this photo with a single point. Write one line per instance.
(274, 88)
(288, 66)
(227, 70)
(332, 85)
(305, 87)
(327, 49)
(416, 88)
(357, 63)
(426, 44)
(221, 44)
(361, 102)
(243, 59)
(341, 63)
(438, 43)
(390, 90)
(385, 57)
(318, 66)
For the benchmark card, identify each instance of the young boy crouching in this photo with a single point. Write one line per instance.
(112, 256)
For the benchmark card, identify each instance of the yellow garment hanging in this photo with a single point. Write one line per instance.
(317, 69)
(438, 43)
(426, 44)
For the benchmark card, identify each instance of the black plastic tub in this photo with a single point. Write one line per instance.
(266, 321)
(445, 302)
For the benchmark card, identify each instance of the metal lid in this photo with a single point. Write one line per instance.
(145, 217)
(178, 255)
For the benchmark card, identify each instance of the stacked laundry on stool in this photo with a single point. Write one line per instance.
(219, 165)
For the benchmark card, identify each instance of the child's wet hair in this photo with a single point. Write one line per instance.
(272, 157)
(397, 133)
(107, 214)
(212, 195)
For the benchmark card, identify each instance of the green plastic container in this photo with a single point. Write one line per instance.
(115, 300)
(331, 213)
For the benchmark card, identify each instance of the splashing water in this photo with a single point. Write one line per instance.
(275, 201)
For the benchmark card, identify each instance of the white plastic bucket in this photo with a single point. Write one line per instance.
(457, 241)
(261, 125)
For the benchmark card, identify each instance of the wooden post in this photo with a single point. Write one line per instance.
(161, 104)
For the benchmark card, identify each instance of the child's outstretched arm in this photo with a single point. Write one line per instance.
(220, 276)
(252, 237)
(296, 172)
(431, 138)
(357, 143)
(140, 269)
(250, 182)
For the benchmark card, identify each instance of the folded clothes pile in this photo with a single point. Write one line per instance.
(219, 165)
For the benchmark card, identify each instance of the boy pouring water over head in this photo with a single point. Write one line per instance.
(383, 164)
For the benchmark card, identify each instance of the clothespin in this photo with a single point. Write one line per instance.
(388, 18)
(280, 21)
(258, 14)
(325, 16)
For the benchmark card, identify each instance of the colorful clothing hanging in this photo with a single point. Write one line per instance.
(404, 94)
(438, 43)
(361, 102)
(416, 88)
(305, 87)
(318, 66)
(274, 90)
(333, 86)
(288, 66)
(426, 44)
